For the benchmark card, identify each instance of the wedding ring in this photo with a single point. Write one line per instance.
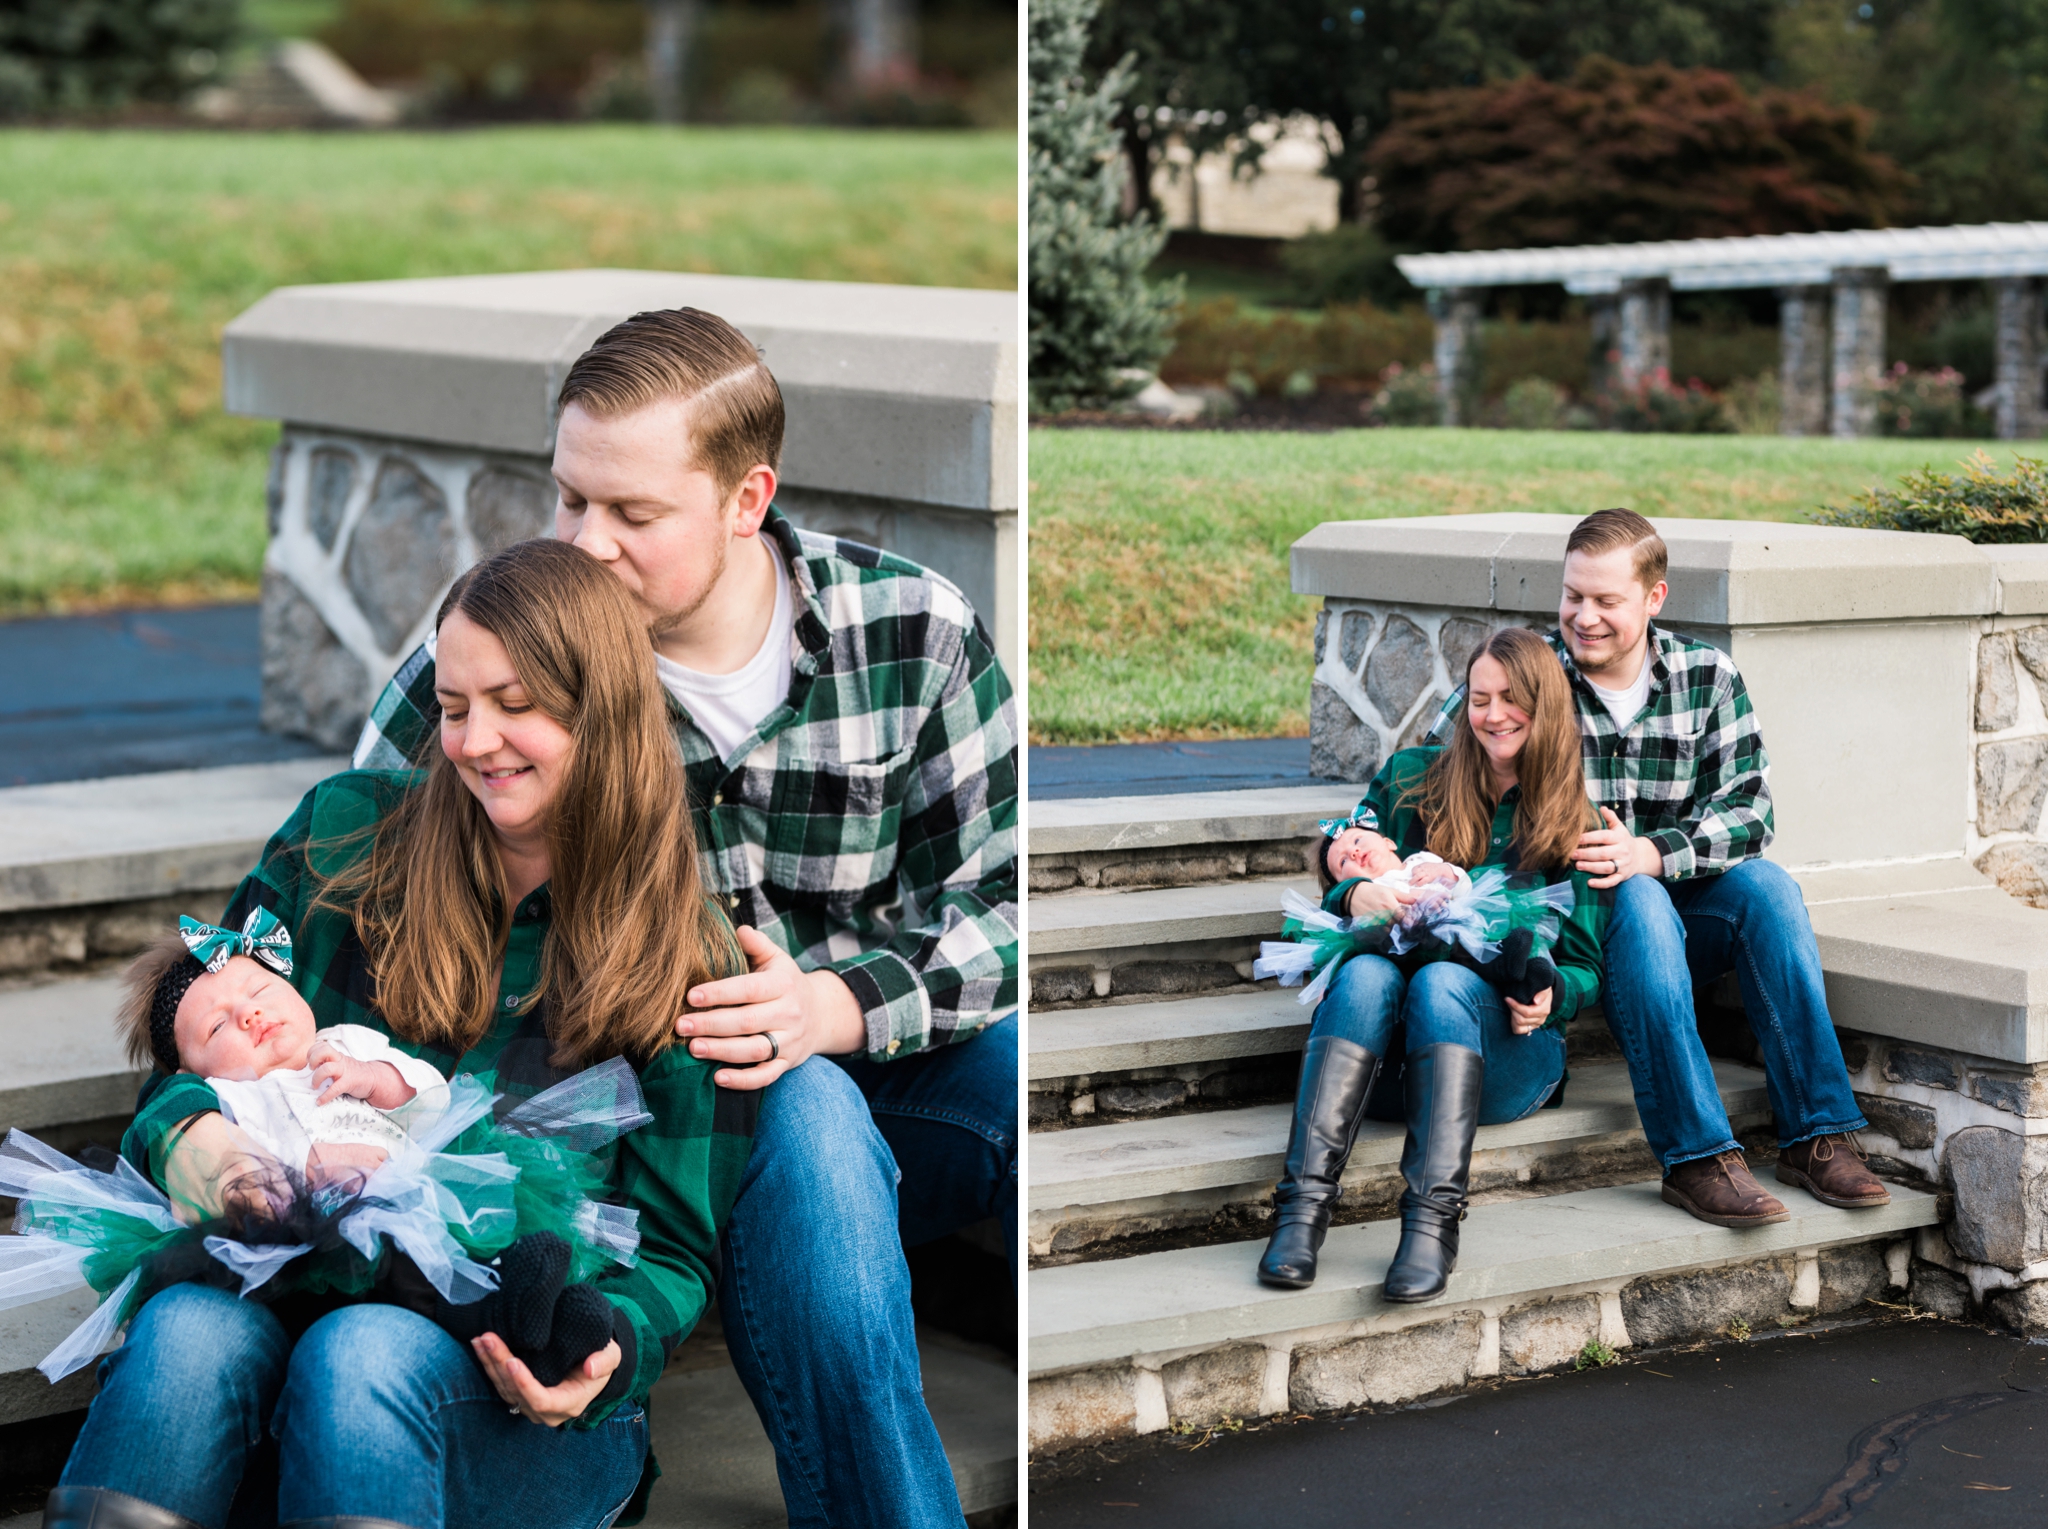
(774, 1047)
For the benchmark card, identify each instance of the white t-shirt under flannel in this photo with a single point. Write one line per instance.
(728, 707)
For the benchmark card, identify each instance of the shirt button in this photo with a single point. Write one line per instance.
(718, 798)
(511, 1000)
(892, 1047)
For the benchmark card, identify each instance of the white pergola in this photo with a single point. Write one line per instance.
(1831, 290)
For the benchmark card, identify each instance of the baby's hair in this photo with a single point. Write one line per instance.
(1321, 852)
(157, 977)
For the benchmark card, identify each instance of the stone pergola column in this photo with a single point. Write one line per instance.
(1803, 360)
(1456, 311)
(2017, 342)
(1603, 319)
(1644, 344)
(1858, 350)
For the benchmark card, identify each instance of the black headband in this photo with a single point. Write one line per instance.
(163, 1010)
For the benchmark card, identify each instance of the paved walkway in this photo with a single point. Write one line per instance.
(1160, 769)
(1903, 1424)
(128, 692)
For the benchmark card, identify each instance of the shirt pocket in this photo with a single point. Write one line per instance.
(1666, 770)
(833, 832)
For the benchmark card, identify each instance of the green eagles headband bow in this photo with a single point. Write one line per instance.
(1365, 817)
(262, 937)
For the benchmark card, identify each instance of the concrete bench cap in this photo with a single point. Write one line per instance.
(1723, 572)
(476, 362)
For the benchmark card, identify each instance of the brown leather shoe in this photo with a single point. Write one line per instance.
(1722, 1191)
(1832, 1170)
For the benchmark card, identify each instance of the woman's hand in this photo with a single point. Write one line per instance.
(550, 1406)
(1612, 854)
(1370, 897)
(807, 1014)
(1528, 1018)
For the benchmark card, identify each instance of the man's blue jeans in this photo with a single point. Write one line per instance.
(379, 1414)
(816, 1295)
(1665, 937)
(1443, 1004)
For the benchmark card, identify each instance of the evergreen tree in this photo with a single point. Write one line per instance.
(1092, 311)
(68, 54)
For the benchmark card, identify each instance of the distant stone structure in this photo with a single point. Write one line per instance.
(1902, 685)
(298, 83)
(419, 421)
(1831, 302)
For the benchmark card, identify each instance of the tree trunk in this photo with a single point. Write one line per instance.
(671, 29)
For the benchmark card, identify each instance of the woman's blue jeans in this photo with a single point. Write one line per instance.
(1665, 937)
(1443, 1004)
(378, 1413)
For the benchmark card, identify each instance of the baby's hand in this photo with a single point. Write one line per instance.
(1433, 875)
(377, 1084)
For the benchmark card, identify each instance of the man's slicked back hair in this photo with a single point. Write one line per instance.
(1606, 531)
(735, 407)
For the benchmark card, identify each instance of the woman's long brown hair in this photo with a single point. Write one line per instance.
(1456, 796)
(631, 931)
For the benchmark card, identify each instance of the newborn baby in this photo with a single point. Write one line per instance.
(315, 1101)
(1361, 851)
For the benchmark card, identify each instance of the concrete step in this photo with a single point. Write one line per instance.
(1129, 1345)
(27, 1333)
(61, 1061)
(1177, 840)
(1095, 945)
(721, 1470)
(1187, 1171)
(1168, 1033)
(136, 836)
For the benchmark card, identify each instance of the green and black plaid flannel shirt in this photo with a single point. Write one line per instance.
(681, 1171)
(869, 825)
(1576, 955)
(1689, 773)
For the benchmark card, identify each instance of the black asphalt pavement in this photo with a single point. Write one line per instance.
(1901, 1424)
(126, 692)
(1157, 769)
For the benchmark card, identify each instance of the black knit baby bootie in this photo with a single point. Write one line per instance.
(583, 1325)
(522, 1309)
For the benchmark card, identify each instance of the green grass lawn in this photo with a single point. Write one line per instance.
(1159, 602)
(122, 254)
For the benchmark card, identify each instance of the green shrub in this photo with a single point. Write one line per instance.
(1981, 504)
(1355, 342)
(1408, 397)
(1351, 263)
(67, 55)
(1535, 403)
(1928, 405)
(1755, 405)
(1656, 406)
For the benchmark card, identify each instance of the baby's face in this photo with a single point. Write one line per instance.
(241, 1022)
(1361, 852)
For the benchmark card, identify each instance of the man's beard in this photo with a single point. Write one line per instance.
(665, 622)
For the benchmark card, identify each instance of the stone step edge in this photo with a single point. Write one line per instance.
(1096, 922)
(1443, 1349)
(1105, 824)
(71, 843)
(1355, 1260)
(1172, 1031)
(1744, 1094)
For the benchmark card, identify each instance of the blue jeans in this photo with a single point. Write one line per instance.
(1665, 937)
(378, 1414)
(1444, 1004)
(815, 1294)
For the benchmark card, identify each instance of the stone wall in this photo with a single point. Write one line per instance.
(2009, 784)
(419, 422)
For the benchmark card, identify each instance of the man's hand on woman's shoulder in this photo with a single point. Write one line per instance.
(771, 1019)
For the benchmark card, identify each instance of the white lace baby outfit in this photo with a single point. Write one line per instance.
(278, 1111)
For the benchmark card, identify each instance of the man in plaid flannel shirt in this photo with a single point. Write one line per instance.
(1676, 765)
(850, 747)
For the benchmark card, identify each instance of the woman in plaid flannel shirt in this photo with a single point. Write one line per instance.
(427, 908)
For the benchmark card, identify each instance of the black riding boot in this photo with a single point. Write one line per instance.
(1336, 1076)
(1443, 1113)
